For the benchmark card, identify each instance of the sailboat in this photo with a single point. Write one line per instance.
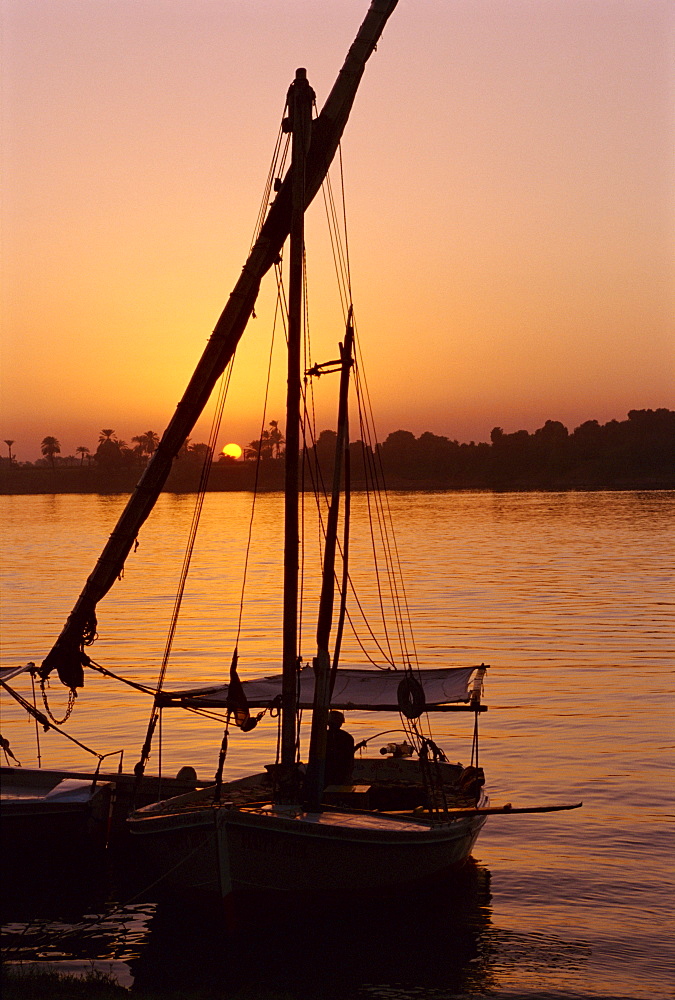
(363, 823)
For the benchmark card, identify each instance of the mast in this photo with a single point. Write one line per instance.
(316, 764)
(299, 122)
(67, 655)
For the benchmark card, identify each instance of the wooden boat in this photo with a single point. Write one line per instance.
(75, 810)
(85, 808)
(397, 819)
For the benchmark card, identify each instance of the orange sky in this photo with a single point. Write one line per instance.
(509, 177)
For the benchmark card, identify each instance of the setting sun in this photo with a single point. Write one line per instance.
(232, 450)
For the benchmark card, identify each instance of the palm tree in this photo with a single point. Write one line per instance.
(147, 443)
(50, 446)
(9, 444)
(82, 450)
(276, 438)
(109, 451)
(269, 445)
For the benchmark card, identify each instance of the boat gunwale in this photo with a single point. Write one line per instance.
(410, 828)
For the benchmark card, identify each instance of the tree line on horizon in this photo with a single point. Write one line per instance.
(111, 453)
(641, 446)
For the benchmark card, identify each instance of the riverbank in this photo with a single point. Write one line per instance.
(18, 983)
(241, 477)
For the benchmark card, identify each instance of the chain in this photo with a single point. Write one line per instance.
(72, 695)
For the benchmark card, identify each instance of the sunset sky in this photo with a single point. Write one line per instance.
(509, 176)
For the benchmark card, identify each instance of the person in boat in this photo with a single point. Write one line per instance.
(339, 751)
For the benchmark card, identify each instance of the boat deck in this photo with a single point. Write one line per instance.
(380, 785)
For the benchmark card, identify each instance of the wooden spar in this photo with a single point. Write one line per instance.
(342, 613)
(178, 700)
(300, 103)
(67, 655)
(507, 810)
(316, 764)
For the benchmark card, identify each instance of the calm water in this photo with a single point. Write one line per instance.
(569, 598)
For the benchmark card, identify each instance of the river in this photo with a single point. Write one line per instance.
(568, 597)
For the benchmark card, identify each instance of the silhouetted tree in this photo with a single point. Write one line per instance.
(269, 445)
(82, 450)
(586, 440)
(276, 439)
(147, 443)
(437, 456)
(200, 452)
(550, 449)
(9, 442)
(321, 459)
(50, 447)
(109, 452)
(650, 439)
(398, 454)
(362, 459)
(510, 457)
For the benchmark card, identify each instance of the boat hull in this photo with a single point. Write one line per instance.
(70, 814)
(227, 850)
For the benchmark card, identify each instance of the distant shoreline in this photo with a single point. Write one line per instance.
(240, 478)
(633, 454)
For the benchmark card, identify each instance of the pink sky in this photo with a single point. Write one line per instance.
(509, 176)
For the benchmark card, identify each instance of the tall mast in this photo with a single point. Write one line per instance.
(67, 656)
(316, 763)
(299, 122)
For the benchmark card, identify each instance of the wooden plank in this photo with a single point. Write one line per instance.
(507, 809)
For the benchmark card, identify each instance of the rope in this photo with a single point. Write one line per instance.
(379, 509)
(276, 167)
(187, 559)
(277, 311)
(37, 727)
(7, 750)
(123, 680)
(44, 722)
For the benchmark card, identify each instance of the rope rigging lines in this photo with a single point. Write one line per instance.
(389, 644)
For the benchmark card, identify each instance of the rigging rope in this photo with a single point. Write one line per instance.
(44, 721)
(278, 310)
(276, 168)
(37, 728)
(380, 517)
(223, 387)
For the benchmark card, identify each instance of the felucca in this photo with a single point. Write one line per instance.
(334, 824)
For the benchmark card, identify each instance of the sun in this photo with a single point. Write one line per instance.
(232, 450)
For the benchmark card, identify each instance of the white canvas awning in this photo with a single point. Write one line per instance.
(376, 690)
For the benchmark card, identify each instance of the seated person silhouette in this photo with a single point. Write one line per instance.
(339, 751)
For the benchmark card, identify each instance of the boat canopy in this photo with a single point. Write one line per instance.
(445, 689)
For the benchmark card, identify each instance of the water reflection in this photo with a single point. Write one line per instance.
(566, 595)
(436, 940)
(394, 946)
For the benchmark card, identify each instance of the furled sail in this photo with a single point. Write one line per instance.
(67, 655)
(376, 690)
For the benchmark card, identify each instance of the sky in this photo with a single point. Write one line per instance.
(509, 176)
